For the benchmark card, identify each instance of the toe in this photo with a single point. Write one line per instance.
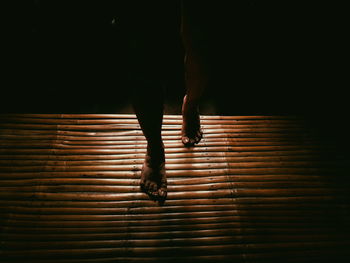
(154, 194)
(188, 141)
(153, 187)
(192, 141)
(198, 138)
(185, 140)
(162, 193)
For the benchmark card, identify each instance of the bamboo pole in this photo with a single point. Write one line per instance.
(103, 150)
(305, 221)
(169, 250)
(169, 217)
(134, 173)
(240, 257)
(189, 241)
(128, 196)
(14, 227)
(131, 127)
(130, 140)
(218, 186)
(144, 233)
(288, 180)
(89, 121)
(124, 161)
(133, 116)
(45, 155)
(137, 134)
(173, 209)
(170, 166)
(136, 145)
(246, 201)
(172, 174)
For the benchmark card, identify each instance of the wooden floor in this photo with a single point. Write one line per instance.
(256, 189)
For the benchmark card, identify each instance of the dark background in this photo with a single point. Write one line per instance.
(270, 57)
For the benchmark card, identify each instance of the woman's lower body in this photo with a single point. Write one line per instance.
(149, 54)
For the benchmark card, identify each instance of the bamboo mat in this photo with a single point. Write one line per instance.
(256, 189)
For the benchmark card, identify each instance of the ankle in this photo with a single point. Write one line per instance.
(155, 146)
(156, 152)
(190, 104)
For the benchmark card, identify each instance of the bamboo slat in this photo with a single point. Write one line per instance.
(133, 120)
(215, 158)
(168, 250)
(278, 208)
(132, 116)
(133, 204)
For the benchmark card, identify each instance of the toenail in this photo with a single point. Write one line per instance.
(162, 193)
(154, 193)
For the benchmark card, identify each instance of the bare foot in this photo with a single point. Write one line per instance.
(153, 177)
(191, 132)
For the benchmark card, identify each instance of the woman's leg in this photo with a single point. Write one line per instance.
(149, 34)
(196, 75)
(148, 107)
(147, 81)
(195, 85)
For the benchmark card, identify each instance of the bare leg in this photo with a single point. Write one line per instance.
(149, 111)
(149, 33)
(195, 76)
(195, 84)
